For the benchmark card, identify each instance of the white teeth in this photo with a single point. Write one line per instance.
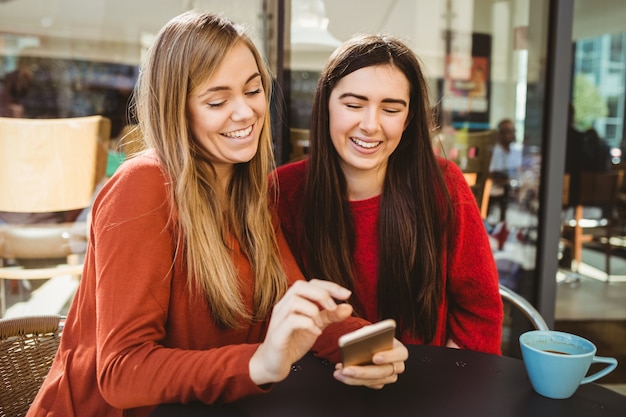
(366, 145)
(239, 133)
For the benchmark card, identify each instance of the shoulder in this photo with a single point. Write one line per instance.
(141, 173)
(293, 172)
(451, 171)
(139, 184)
(289, 178)
(145, 161)
(456, 183)
(287, 184)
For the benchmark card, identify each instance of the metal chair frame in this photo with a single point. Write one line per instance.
(525, 307)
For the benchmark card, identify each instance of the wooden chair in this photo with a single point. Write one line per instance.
(47, 167)
(27, 348)
(476, 165)
(592, 189)
(483, 204)
(299, 139)
(618, 226)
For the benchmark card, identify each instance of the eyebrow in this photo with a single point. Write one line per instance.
(364, 98)
(224, 88)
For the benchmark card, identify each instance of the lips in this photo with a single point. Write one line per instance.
(364, 144)
(238, 134)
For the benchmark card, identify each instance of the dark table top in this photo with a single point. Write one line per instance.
(437, 382)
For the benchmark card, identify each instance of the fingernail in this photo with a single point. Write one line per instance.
(345, 292)
(348, 372)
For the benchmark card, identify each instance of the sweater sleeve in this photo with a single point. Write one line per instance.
(136, 281)
(475, 310)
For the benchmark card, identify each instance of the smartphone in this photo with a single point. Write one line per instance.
(358, 347)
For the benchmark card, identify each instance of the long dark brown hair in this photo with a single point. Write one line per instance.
(415, 205)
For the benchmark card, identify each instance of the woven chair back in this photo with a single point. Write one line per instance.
(28, 346)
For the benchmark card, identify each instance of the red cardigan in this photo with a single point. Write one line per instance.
(471, 308)
(135, 335)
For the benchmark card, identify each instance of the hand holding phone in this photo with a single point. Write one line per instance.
(358, 347)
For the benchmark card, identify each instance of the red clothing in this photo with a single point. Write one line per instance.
(471, 308)
(135, 335)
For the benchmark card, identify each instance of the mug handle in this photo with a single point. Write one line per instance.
(612, 364)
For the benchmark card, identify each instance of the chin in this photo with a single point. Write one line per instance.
(245, 156)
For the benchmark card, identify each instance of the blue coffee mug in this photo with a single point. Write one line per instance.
(557, 362)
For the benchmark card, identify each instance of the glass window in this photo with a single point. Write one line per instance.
(612, 106)
(597, 81)
(76, 58)
(617, 47)
(598, 31)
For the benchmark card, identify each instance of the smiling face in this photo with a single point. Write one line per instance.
(368, 111)
(226, 112)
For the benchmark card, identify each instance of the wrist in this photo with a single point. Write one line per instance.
(259, 371)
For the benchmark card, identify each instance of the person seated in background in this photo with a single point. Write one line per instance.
(585, 152)
(505, 165)
(189, 291)
(373, 209)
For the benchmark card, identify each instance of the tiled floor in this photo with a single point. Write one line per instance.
(590, 298)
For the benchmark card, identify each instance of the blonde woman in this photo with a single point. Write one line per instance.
(185, 261)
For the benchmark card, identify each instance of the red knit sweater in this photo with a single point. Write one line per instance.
(470, 312)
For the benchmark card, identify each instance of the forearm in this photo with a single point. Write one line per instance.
(150, 375)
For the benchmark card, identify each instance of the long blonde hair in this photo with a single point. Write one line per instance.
(185, 54)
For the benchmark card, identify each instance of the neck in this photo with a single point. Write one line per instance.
(224, 173)
(363, 184)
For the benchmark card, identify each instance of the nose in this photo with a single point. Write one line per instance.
(369, 121)
(242, 110)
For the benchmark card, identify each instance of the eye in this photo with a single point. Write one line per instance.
(215, 104)
(392, 111)
(353, 106)
(254, 92)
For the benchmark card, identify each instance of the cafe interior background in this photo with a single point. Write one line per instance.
(486, 60)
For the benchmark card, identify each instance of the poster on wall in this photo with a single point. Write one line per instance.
(464, 91)
(467, 95)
